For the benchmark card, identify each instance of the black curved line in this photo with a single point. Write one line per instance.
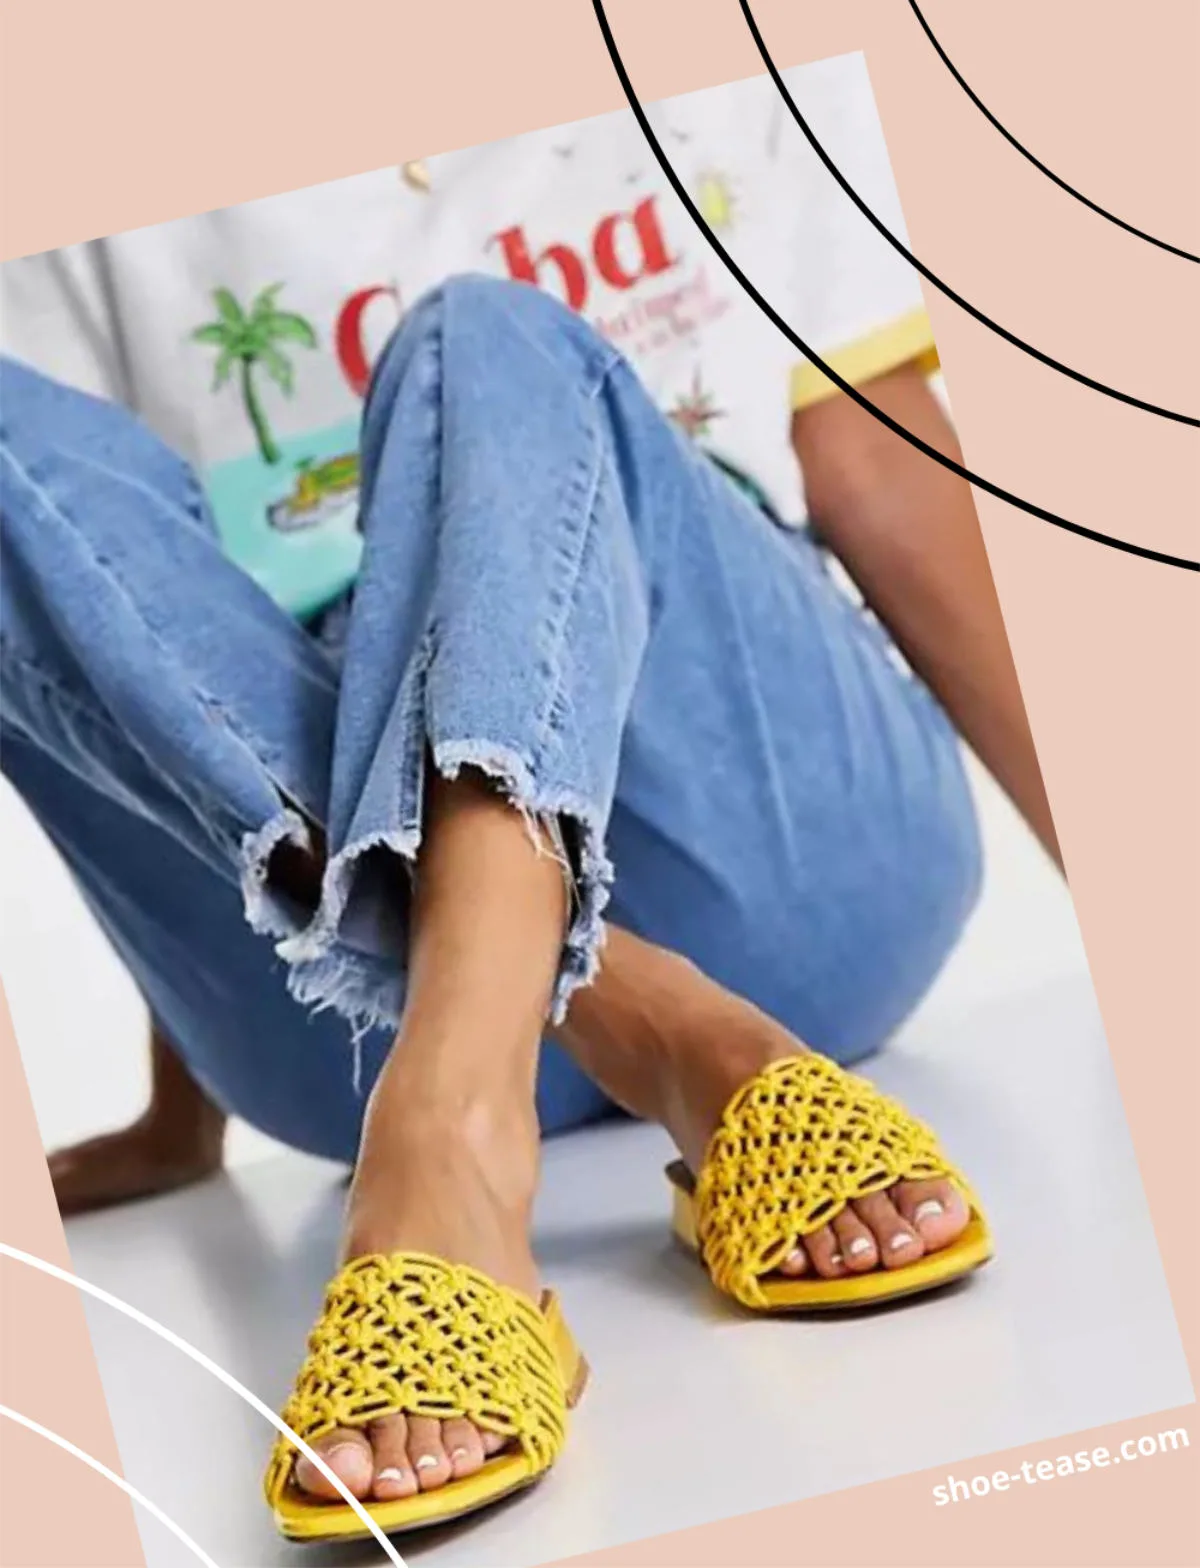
(1141, 234)
(944, 288)
(852, 392)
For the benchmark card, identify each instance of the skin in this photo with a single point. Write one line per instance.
(906, 530)
(178, 1139)
(449, 1155)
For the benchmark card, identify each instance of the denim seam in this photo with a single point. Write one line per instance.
(259, 754)
(417, 730)
(225, 829)
(65, 694)
(598, 366)
(583, 501)
(578, 505)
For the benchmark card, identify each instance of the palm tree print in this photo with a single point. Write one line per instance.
(251, 339)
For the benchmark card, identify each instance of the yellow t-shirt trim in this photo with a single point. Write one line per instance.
(908, 337)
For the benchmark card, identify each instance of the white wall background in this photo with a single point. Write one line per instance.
(82, 1026)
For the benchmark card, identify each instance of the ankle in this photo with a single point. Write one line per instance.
(698, 1043)
(697, 1031)
(622, 1028)
(457, 1182)
(488, 1131)
(424, 1094)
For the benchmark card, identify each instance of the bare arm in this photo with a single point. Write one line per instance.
(906, 531)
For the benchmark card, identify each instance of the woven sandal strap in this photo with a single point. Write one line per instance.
(795, 1145)
(410, 1334)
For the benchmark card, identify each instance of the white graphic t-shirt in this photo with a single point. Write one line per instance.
(246, 337)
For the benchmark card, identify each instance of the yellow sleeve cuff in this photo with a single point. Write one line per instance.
(906, 338)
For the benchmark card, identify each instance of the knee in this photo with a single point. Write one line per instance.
(494, 325)
(502, 307)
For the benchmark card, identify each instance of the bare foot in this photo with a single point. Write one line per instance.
(674, 1046)
(456, 1181)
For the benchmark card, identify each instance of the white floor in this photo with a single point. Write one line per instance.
(694, 1413)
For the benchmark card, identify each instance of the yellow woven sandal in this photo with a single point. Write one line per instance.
(412, 1334)
(794, 1146)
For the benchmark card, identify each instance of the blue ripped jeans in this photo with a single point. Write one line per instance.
(556, 587)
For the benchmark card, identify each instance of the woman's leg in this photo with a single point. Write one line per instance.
(449, 1152)
(792, 818)
(126, 695)
(671, 1045)
(562, 595)
(557, 591)
(157, 709)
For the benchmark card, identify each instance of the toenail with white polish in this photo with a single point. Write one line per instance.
(460, 1453)
(929, 1210)
(835, 1259)
(899, 1241)
(858, 1246)
(427, 1462)
(390, 1473)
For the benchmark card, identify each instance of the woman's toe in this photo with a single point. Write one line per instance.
(464, 1448)
(898, 1243)
(394, 1474)
(348, 1455)
(492, 1442)
(936, 1210)
(426, 1453)
(824, 1253)
(855, 1242)
(796, 1262)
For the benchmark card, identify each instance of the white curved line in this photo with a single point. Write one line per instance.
(110, 1475)
(67, 1278)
